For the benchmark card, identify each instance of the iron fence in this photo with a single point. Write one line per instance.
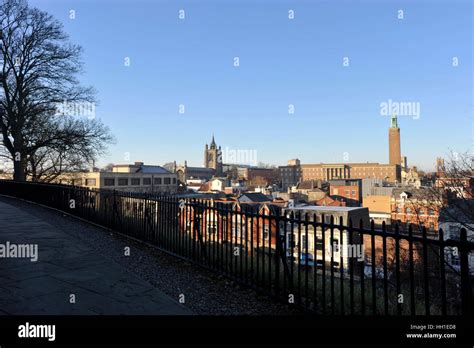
(306, 259)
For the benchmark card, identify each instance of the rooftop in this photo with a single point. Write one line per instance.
(152, 170)
(255, 197)
(326, 208)
(139, 167)
(348, 164)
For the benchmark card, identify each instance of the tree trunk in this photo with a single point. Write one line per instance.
(19, 167)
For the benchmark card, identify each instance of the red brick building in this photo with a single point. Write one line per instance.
(419, 207)
(233, 223)
(348, 191)
(260, 176)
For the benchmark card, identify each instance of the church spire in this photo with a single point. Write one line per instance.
(213, 142)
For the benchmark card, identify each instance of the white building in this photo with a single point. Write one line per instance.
(309, 249)
(219, 184)
(451, 220)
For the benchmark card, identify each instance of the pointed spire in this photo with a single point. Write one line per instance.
(213, 142)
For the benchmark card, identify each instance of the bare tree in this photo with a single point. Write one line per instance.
(39, 73)
(450, 196)
(74, 146)
(265, 165)
(456, 180)
(108, 167)
(169, 166)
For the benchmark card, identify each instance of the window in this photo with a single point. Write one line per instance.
(431, 212)
(290, 240)
(334, 244)
(77, 182)
(90, 182)
(109, 182)
(266, 232)
(157, 181)
(319, 243)
(174, 180)
(236, 231)
(399, 210)
(348, 192)
(135, 181)
(123, 181)
(167, 181)
(304, 240)
(211, 228)
(146, 181)
(408, 210)
(353, 192)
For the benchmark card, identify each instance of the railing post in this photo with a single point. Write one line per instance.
(115, 213)
(465, 279)
(277, 253)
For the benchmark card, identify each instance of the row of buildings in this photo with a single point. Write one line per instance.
(388, 194)
(139, 177)
(295, 172)
(392, 193)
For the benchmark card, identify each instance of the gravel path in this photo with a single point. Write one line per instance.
(205, 293)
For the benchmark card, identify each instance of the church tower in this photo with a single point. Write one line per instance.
(213, 157)
(394, 153)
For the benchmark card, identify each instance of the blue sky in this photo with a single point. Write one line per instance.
(282, 62)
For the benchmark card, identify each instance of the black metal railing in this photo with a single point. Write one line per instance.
(302, 259)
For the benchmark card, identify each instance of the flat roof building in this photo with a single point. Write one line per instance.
(136, 177)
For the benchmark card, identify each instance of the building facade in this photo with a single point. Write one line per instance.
(313, 249)
(390, 172)
(418, 207)
(259, 176)
(347, 190)
(451, 220)
(135, 177)
(290, 174)
(379, 209)
(385, 172)
(185, 173)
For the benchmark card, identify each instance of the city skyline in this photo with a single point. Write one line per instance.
(284, 64)
(288, 160)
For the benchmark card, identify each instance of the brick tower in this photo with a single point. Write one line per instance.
(394, 154)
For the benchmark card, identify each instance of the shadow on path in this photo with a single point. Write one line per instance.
(66, 266)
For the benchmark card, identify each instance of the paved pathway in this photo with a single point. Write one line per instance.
(67, 266)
